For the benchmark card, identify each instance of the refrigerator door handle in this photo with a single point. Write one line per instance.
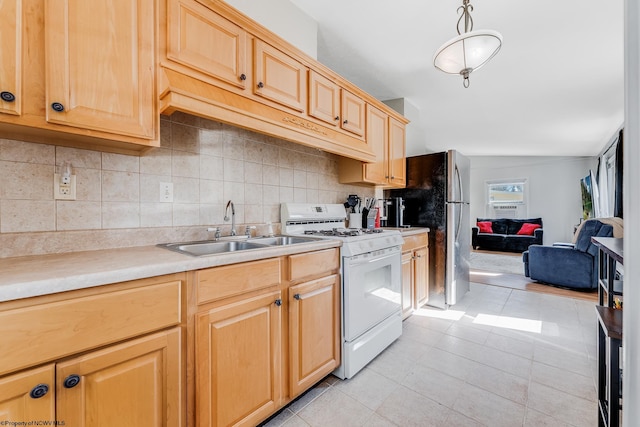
(460, 187)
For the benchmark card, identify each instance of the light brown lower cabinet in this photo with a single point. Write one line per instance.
(222, 346)
(255, 352)
(131, 384)
(314, 325)
(238, 361)
(28, 395)
(135, 383)
(415, 273)
(407, 283)
(106, 356)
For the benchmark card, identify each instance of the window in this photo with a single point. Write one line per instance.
(512, 192)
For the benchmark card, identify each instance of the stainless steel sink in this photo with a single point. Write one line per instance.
(283, 240)
(212, 248)
(205, 248)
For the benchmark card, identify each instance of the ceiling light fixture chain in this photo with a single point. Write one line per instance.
(466, 14)
(469, 50)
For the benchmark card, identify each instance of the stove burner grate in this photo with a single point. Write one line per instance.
(344, 232)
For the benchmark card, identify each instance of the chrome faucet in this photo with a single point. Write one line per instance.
(233, 216)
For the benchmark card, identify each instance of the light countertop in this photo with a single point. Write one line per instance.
(408, 231)
(29, 276)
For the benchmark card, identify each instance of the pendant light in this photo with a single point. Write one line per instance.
(469, 50)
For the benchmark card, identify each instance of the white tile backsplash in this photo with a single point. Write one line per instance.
(208, 163)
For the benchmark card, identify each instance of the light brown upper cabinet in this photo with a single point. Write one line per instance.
(100, 65)
(80, 74)
(378, 137)
(11, 29)
(397, 161)
(334, 105)
(386, 136)
(278, 77)
(210, 47)
(352, 108)
(217, 63)
(324, 99)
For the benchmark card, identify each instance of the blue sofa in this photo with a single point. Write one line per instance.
(568, 265)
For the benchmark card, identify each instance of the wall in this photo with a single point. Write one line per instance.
(290, 23)
(554, 190)
(631, 314)
(118, 196)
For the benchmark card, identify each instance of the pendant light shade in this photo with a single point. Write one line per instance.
(468, 51)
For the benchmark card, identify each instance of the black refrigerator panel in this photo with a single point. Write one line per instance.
(426, 191)
(433, 180)
(425, 198)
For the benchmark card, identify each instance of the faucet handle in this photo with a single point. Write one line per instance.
(217, 231)
(247, 230)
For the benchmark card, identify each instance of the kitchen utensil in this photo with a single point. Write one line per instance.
(352, 201)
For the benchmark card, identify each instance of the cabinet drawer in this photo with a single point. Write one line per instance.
(49, 331)
(222, 282)
(415, 241)
(313, 263)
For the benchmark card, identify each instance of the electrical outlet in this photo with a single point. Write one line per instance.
(166, 192)
(64, 189)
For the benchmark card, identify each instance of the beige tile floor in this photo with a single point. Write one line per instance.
(501, 357)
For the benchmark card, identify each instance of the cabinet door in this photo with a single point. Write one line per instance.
(223, 55)
(353, 113)
(407, 284)
(397, 160)
(11, 27)
(314, 332)
(100, 65)
(238, 361)
(28, 396)
(324, 99)
(139, 378)
(421, 277)
(377, 139)
(278, 77)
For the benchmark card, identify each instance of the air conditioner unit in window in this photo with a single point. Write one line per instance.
(509, 211)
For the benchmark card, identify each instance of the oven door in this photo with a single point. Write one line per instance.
(372, 290)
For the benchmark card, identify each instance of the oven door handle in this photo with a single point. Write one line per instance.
(352, 263)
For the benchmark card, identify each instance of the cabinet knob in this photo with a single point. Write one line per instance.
(243, 77)
(260, 85)
(56, 106)
(71, 381)
(7, 96)
(38, 391)
(337, 118)
(393, 177)
(297, 296)
(278, 302)
(345, 122)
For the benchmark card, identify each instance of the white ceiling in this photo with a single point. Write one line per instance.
(556, 88)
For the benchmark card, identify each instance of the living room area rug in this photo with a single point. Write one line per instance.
(507, 270)
(500, 262)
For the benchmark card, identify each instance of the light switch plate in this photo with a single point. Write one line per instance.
(166, 192)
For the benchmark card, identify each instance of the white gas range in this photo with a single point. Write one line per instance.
(371, 280)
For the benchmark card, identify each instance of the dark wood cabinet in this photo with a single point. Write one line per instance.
(609, 315)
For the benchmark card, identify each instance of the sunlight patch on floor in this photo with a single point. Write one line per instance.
(485, 273)
(526, 325)
(439, 314)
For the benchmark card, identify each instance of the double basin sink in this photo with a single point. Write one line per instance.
(209, 247)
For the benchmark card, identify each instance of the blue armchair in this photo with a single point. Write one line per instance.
(573, 266)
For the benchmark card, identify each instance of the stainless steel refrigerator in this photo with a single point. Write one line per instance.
(437, 196)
